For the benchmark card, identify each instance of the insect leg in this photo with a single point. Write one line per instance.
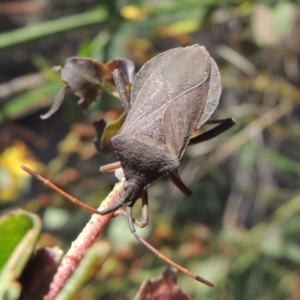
(224, 125)
(219, 121)
(131, 192)
(145, 212)
(175, 178)
(122, 212)
(111, 208)
(121, 88)
(110, 167)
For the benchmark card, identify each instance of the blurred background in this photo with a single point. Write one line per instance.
(240, 228)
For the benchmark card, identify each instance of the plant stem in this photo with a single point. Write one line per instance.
(85, 239)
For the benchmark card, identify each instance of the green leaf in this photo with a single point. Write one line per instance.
(45, 29)
(19, 231)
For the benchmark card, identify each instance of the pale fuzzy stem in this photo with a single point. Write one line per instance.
(85, 239)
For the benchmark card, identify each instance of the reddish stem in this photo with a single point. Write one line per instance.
(85, 239)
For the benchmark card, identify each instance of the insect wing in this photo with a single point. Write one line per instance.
(169, 95)
(187, 75)
(181, 119)
(214, 93)
(147, 112)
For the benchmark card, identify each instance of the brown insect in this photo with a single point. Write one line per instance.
(172, 95)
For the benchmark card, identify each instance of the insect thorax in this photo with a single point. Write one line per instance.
(143, 159)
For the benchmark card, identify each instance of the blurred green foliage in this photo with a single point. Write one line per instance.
(240, 228)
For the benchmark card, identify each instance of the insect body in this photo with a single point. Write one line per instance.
(172, 95)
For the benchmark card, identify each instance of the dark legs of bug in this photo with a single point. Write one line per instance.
(111, 208)
(121, 88)
(145, 213)
(223, 126)
(128, 214)
(175, 178)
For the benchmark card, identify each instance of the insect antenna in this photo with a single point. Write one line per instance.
(60, 191)
(171, 262)
(121, 212)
